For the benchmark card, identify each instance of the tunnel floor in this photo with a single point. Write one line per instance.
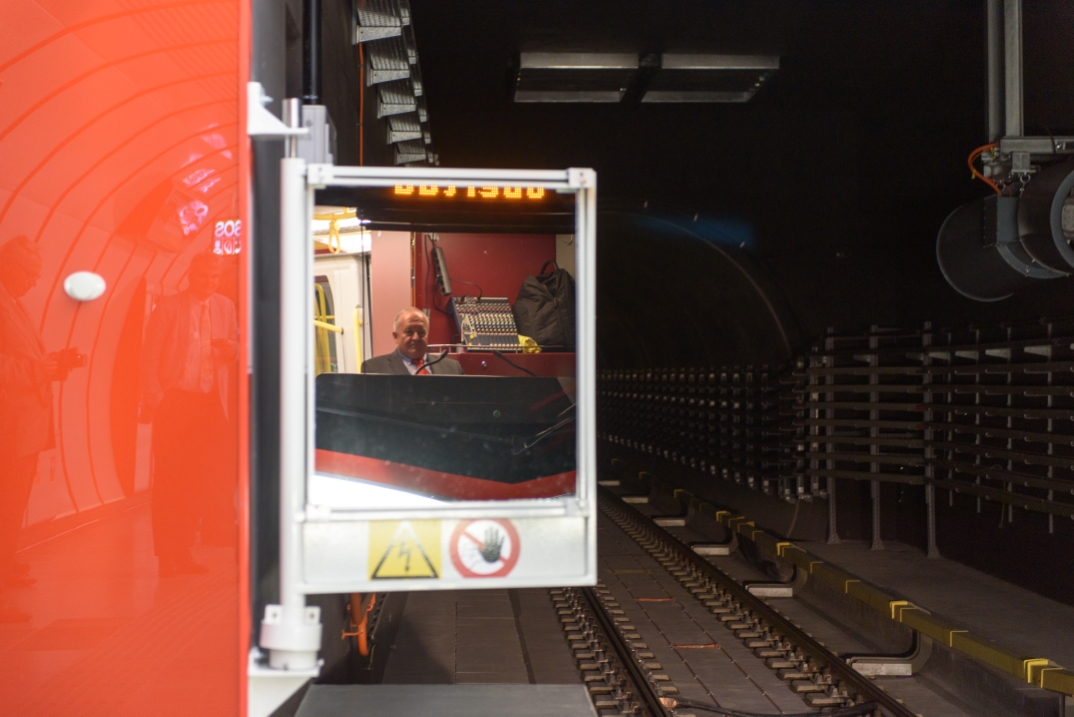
(514, 637)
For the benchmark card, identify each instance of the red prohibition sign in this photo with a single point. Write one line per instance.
(471, 548)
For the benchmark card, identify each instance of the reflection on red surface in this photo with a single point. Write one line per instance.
(120, 565)
(438, 483)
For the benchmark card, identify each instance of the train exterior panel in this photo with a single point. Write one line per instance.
(123, 153)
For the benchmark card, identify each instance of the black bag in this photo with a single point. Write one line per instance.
(544, 309)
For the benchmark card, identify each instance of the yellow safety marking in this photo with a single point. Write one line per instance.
(1033, 667)
(1057, 679)
(951, 636)
(404, 549)
(1036, 671)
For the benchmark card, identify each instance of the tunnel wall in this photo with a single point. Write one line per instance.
(978, 417)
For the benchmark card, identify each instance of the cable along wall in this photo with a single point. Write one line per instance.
(983, 411)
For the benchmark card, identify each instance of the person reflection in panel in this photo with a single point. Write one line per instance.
(411, 352)
(190, 344)
(26, 423)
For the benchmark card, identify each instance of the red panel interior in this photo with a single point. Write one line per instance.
(480, 363)
(498, 263)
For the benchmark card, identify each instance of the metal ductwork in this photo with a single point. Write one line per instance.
(981, 254)
(990, 248)
(1046, 217)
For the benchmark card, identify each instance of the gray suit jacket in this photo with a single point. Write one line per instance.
(393, 363)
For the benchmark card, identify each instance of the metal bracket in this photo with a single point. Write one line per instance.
(581, 178)
(367, 34)
(774, 590)
(905, 665)
(375, 77)
(386, 109)
(676, 521)
(318, 175)
(716, 549)
(1036, 145)
(262, 124)
(267, 688)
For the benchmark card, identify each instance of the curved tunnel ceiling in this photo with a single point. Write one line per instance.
(119, 137)
(673, 292)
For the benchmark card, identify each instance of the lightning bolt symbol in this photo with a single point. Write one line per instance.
(404, 551)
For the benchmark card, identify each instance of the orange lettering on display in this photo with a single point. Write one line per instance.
(515, 193)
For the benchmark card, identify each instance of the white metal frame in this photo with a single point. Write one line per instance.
(291, 635)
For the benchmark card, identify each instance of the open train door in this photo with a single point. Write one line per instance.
(401, 483)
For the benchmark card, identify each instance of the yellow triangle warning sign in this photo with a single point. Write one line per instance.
(403, 549)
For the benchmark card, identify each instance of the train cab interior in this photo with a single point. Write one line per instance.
(385, 358)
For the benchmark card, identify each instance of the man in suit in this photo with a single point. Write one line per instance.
(190, 344)
(411, 350)
(26, 429)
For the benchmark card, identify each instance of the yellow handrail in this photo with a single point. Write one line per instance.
(323, 347)
(358, 323)
(327, 326)
(334, 243)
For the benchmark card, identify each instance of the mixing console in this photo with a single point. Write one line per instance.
(485, 324)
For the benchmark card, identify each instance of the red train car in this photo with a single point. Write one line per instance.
(122, 153)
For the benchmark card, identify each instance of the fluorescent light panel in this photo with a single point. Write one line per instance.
(594, 77)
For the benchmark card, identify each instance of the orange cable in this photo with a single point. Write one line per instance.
(974, 155)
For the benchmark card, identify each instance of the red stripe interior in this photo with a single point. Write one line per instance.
(448, 485)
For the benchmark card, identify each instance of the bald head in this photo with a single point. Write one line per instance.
(408, 312)
(20, 266)
(410, 332)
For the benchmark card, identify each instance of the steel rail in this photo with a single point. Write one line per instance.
(642, 687)
(865, 689)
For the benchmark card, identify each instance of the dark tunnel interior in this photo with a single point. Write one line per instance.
(738, 241)
(736, 235)
(830, 185)
(733, 236)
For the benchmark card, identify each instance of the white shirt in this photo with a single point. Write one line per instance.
(191, 380)
(412, 368)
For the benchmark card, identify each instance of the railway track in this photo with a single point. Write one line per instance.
(624, 674)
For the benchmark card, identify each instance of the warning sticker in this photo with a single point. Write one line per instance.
(404, 549)
(485, 548)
